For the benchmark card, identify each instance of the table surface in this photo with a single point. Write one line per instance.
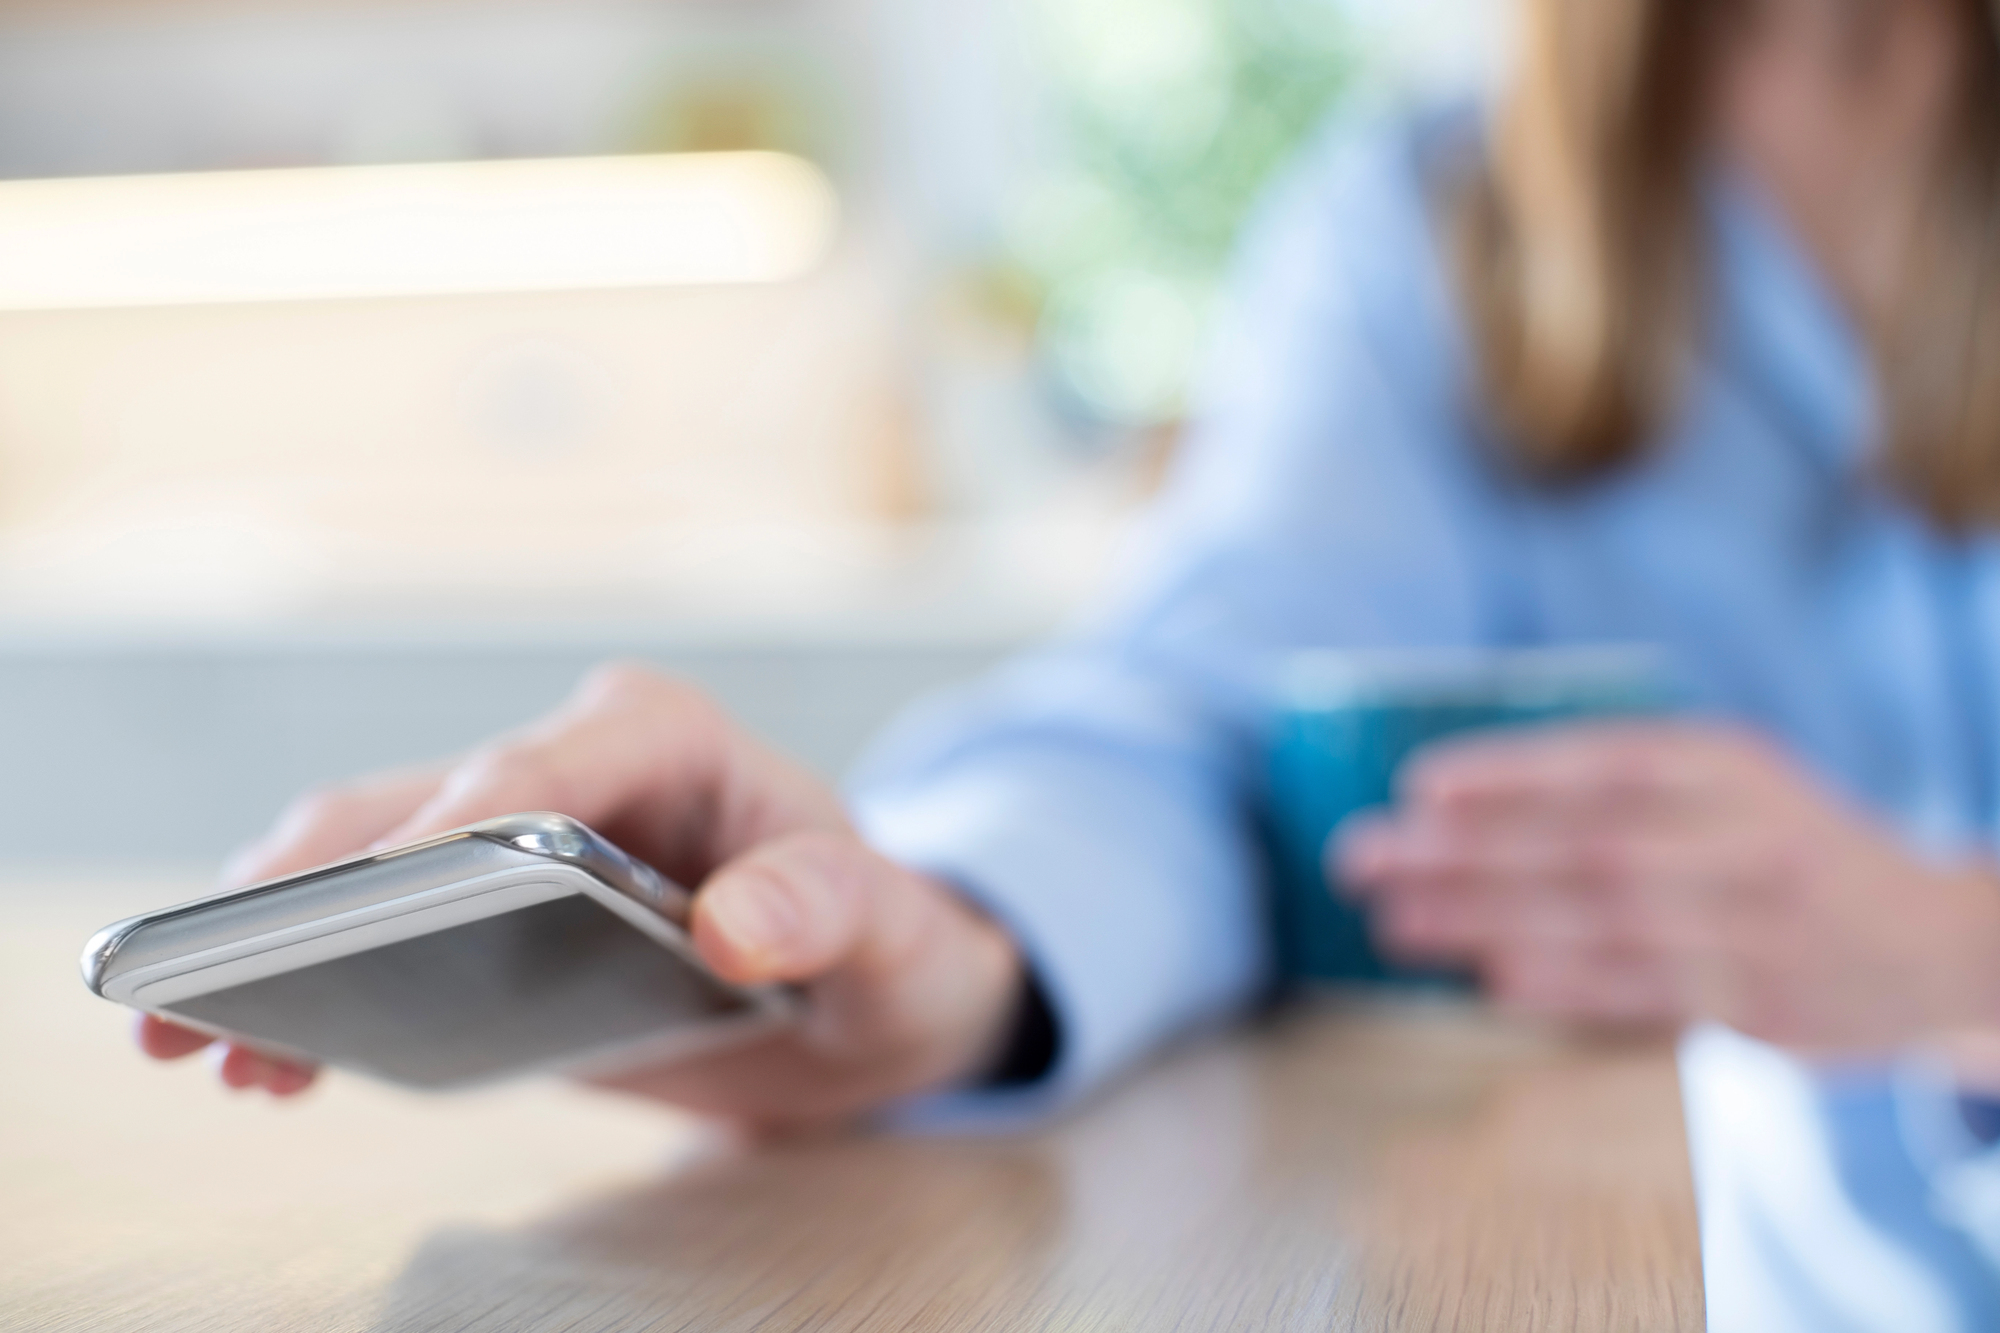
(1343, 1166)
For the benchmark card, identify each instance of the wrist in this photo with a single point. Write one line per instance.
(990, 1023)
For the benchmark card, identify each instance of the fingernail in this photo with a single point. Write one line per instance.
(227, 1062)
(755, 917)
(283, 1080)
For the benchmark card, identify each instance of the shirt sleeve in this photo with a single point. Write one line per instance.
(1099, 797)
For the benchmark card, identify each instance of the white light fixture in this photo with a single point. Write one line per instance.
(418, 230)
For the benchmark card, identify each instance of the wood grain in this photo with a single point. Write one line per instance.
(1344, 1166)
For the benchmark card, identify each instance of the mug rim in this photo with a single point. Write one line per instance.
(1323, 678)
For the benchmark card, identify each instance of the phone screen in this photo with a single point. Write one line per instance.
(505, 992)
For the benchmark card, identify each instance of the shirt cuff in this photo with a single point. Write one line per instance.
(1131, 890)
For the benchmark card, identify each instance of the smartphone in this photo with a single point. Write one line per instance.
(525, 944)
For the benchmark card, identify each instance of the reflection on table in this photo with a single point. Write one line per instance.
(1342, 1165)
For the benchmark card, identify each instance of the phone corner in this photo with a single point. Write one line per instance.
(98, 953)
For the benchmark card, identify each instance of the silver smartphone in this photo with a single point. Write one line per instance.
(520, 945)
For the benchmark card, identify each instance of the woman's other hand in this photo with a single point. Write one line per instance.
(908, 987)
(1654, 873)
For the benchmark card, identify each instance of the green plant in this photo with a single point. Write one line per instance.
(1171, 115)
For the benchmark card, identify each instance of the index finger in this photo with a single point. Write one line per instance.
(167, 1041)
(649, 762)
(335, 822)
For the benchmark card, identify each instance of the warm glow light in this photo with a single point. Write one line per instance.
(458, 227)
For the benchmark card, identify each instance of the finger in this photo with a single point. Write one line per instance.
(1631, 986)
(905, 985)
(788, 911)
(648, 761)
(1439, 898)
(1615, 987)
(1617, 865)
(1430, 898)
(1570, 772)
(1421, 853)
(1361, 852)
(894, 965)
(236, 1066)
(1421, 921)
(167, 1041)
(1428, 928)
(284, 1079)
(241, 1067)
(327, 825)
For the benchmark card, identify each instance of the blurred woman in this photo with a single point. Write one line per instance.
(1691, 339)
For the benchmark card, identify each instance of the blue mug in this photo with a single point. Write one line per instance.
(1345, 723)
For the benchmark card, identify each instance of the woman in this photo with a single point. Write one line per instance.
(1693, 341)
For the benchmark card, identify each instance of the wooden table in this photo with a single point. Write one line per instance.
(1343, 1167)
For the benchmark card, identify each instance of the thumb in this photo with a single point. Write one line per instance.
(788, 910)
(901, 974)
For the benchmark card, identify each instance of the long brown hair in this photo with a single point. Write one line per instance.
(1580, 256)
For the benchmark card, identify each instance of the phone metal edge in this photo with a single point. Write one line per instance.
(766, 1007)
(560, 838)
(540, 833)
(123, 987)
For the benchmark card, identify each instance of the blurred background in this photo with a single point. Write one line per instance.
(368, 368)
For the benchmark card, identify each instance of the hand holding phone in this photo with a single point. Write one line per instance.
(903, 985)
(516, 945)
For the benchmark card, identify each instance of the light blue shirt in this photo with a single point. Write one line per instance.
(1340, 489)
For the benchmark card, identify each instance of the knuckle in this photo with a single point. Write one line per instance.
(511, 766)
(618, 680)
(319, 807)
(639, 692)
(626, 685)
